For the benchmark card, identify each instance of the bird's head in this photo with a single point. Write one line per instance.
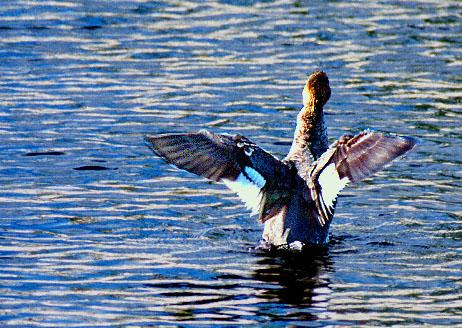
(316, 92)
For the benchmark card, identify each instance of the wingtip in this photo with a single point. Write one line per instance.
(149, 142)
(147, 139)
(410, 142)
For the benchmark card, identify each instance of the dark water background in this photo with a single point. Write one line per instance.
(95, 231)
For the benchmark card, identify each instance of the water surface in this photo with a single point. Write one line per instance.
(95, 231)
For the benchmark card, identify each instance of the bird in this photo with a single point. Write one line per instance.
(294, 197)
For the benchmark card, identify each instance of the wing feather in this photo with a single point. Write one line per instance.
(236, 161)
(202, 153)
(349, 160)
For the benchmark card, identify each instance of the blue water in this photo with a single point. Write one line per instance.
(96, 231)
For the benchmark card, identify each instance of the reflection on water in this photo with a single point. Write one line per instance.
(302, 280)
(98, 232)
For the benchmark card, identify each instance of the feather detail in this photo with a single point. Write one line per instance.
(202, 153)
(331, 184)
(236, 161)
(351, 159)
(248, 186)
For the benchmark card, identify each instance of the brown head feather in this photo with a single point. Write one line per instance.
(317, 91)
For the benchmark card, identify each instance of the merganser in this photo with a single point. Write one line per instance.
(294, 197)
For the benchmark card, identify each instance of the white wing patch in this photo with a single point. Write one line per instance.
(248, 187)
(331, 184)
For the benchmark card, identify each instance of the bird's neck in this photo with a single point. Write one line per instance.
(310, 138)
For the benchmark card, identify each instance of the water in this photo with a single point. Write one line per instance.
(95, 231)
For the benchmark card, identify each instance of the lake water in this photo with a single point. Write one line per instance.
(96, 231)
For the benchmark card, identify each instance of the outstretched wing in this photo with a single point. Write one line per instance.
(349, 160)
(202, 153)
(236, 161)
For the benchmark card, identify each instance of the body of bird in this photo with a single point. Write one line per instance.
(294, 197)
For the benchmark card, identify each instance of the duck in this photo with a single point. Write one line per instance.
(294, 197)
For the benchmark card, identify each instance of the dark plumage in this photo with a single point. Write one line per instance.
(294, 197)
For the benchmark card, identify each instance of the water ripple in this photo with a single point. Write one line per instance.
(98, 232)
